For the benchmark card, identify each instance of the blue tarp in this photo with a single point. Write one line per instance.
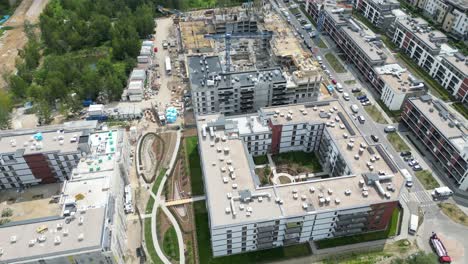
(171, 115)
(4, 19)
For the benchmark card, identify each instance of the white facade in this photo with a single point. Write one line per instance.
(436, 9)
(460, 22)
(392, 99)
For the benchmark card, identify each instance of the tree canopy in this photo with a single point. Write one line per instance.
(86, 49)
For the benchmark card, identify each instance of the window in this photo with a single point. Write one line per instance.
(229, 252)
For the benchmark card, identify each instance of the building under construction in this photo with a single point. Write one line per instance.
(241, 59)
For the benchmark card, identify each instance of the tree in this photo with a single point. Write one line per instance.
(5, 108)
(144, 20)
(18, 87)
(44, 112)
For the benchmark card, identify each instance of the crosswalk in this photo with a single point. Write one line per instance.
(423, 198)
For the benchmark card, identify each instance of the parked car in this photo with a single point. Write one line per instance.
(361, 97)
(364, 100)
(375, 138)
(413, 162)
(366, 103)
(333, 81)
(405, 153)
(408, 158)
(389, 129)
(356, 90)
(417, 168)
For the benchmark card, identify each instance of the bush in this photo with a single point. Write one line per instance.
(7, 212)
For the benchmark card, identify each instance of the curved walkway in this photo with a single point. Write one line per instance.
(157, 203)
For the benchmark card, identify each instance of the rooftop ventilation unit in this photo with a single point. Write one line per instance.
(41, 239)
(57, 240)
(13, 239)
(32, 242)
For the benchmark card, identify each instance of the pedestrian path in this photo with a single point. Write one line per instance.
(424, 198)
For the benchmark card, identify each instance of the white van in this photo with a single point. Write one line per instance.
(408, 177)
(339, 87)
(346, 96)
(361, 119)
(319, 59)
(354, 108)
(413, 225)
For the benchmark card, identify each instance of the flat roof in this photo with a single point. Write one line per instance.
(445, 120)
(216, 162)
(361, 38)
(419, 28)
(88, 187)
(50, 142)
(399, 79)
(8, 138)
(91, 229)
(214, 79)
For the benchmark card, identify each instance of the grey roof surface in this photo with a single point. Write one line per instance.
(199, 79)
(92, 230)
(436, 115)
(418, 27)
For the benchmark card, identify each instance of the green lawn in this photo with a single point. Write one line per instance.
(294, 11)
(260, 160)
(335, 63)
(341, 241)
(170, 244)
(426, 179)
(461, 109)
(397, 142)
(307, 161)
(375, 113)
(193, 158)
(153, 256)
(270, 255)
(322, 44)
(350, 82)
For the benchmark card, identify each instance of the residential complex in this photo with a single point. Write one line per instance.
(451, 14)
(45, 155)
(79, 220)
(356, 192)
(428, 48)
(443, 133)
(365, 50)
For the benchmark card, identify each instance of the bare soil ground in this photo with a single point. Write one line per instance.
(15, 39)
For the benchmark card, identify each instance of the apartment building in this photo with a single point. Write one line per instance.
(443, 133)
(45, 155)
(378, 12)
(81, 220)
(356, 192)
(429, 50)
(397, 84)
(246, 91)
(365, 50)
(450, 14)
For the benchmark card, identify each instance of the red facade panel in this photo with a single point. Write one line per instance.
(462, 92)
(382, 215)
(40, 167)
(275, 137)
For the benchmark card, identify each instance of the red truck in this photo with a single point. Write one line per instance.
(440, 249)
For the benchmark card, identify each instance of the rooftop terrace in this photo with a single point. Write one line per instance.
(399, 79)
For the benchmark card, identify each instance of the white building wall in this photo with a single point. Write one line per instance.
(391, 99)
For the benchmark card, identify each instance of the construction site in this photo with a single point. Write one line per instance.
(246, 42)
